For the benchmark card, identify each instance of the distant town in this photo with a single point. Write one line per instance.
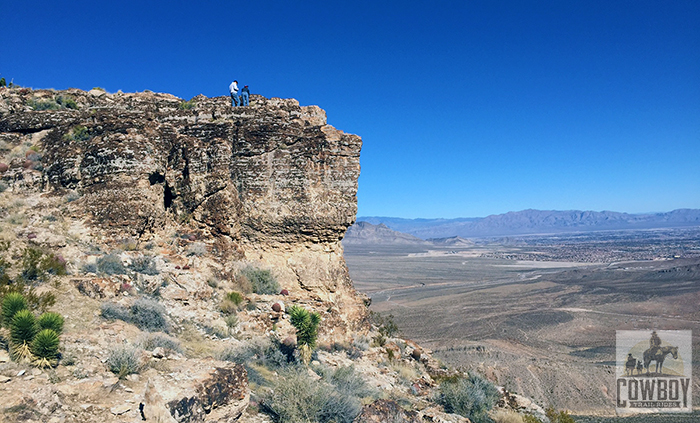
(604, 247)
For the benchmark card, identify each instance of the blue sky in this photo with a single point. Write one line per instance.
(466, 108)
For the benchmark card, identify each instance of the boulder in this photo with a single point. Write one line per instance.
(383, 410)
(214, 391)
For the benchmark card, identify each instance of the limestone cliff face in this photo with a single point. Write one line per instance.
(271, 182)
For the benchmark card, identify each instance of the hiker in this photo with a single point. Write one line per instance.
(233, 89)
(245, 93)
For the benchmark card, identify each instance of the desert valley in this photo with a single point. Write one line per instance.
(538, 313)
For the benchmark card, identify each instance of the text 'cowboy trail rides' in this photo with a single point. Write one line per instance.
(654, 371)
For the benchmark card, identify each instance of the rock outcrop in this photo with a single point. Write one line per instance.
(270, 183)
(202, 394)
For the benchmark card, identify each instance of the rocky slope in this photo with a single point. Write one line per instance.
(168, 216)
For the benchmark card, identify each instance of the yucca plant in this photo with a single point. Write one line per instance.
(51, 320)
(306, 325)
(11, 304)
(23, 329)
(45, 348)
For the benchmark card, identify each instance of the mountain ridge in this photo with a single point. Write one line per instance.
(533, 222)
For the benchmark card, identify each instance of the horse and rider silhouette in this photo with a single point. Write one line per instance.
(658, 355)
(655, 353)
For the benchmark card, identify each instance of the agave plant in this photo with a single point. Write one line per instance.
(11, 304)
(50, 320)
(23, 329)
(45, 348)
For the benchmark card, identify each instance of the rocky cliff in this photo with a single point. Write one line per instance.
(269, 183)
(147, 222)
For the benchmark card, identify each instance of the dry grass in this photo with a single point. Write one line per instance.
(506, 416)
(194, 344)
(406, 373)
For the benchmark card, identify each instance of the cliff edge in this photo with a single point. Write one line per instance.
(271, 183)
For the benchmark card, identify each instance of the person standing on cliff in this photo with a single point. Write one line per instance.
(245, 93)
(233, 89)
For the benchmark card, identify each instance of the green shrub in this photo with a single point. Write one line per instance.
(50, 320)
(78, 133)
(347, 381)
(149, 315)
(60, 102)
(124, 360)
(11, 304)
(385, 324)
(145, 313)
(261, 281)
(379, 340)
(529, 418)
(23, 328)
(306, 325)
(89, 268)
(187, 105)
(555, 416)
(3, 83)
(43, 105)
(297, 398)
(66, 102)
(44, 346)
(111, 264)
(235, 297)
(145, 265)
(114, 311)
(38, 265)
(339, 408)
(266, 352)
(470, 397)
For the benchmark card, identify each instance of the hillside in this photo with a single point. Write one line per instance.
(366, 233)
(184, 242)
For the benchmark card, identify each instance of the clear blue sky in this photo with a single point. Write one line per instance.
(466, 108)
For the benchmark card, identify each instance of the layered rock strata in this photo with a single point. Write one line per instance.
(270, 183)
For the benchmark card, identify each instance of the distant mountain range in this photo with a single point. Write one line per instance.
(533, 222)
